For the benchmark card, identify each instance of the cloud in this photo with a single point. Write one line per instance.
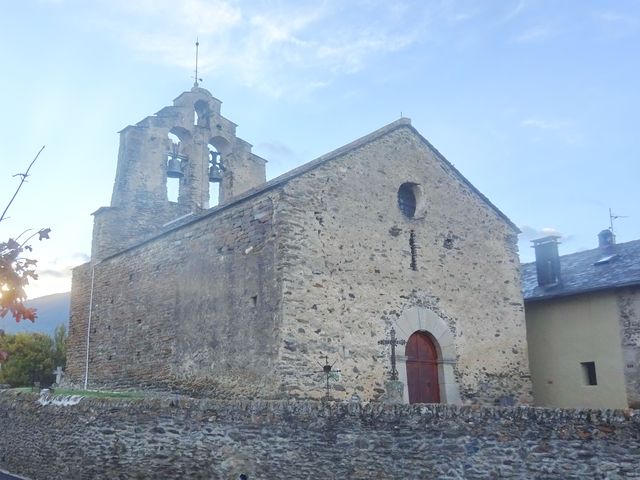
(564, 129)
(280, 48)
(60, 267)
(534, 34)
(617, 24)
(43, 274)
(281, 158)
(54, 275)
(514, 12)
(531, 233)
(276, 149)
(611, 17)
(282, 27)
(350, 56)
(210, 17)
(454, 13)
(80, 257)
(543, 124)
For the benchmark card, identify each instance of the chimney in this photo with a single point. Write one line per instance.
(547, 261)
(606, 241)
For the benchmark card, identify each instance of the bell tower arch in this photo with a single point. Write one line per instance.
(148, 160)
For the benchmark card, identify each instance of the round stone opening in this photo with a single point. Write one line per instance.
(409, 199)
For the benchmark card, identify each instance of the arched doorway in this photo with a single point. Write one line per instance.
(422, 369)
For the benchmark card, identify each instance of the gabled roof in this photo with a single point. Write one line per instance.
(313, 164)
(580, 274)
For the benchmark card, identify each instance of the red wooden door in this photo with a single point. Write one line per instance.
(422, 369)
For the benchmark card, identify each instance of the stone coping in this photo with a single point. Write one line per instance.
(285, 410)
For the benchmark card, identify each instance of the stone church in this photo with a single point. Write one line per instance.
(249, 298)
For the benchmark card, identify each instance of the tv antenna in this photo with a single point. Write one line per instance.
(195, 77)
(613, 217)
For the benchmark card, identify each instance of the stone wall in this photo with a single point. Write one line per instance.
(248, 299)
(628, 300)
(196, 309)
(346, 251)
(182, 438)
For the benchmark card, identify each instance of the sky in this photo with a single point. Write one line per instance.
(535, 101)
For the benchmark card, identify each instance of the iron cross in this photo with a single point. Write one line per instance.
(393, 341)
(328, 369)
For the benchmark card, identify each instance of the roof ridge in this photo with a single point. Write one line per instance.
(583, 252)
(312, 164)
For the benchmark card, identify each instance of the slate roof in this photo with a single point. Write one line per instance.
(578, 274)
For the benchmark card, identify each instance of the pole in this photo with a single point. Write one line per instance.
(86, 365)
(195, 83)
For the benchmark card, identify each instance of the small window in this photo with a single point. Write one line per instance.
(201, 114)
(412, 248)
(174, 168)
(606, 259)
(589, 373)
(407, 199)
(216, 169)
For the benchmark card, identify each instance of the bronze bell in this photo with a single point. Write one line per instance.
(215, 173)
(174, 168)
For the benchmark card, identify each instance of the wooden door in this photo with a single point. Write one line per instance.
(422, 369)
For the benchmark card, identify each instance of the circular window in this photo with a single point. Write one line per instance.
(407, 200)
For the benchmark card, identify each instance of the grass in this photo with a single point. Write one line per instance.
(87, 393)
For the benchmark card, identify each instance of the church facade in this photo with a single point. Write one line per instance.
(250, 298)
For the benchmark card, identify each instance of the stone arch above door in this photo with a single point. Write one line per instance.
(420, 319)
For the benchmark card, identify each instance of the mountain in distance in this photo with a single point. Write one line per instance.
(52, 310)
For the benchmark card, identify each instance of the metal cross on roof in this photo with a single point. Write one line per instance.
(195, 77)
(393, 341)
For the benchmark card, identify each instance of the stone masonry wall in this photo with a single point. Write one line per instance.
(182, 438)
(246, 301)
(629, 309)
(139, 203)
(196, 309)
(346, 257)
(78, 315)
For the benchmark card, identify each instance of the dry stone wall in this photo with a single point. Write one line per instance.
(196, 309)
(629, 310)
(183, 438)
(352, 263)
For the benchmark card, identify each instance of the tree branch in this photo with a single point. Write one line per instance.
(24, 178)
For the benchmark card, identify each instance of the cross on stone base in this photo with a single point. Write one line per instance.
(58, 373)
(393, 341)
